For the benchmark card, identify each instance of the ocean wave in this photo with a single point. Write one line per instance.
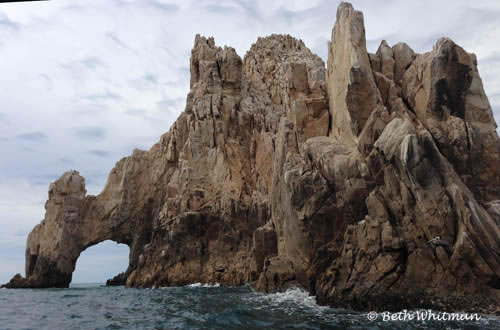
(203, 285)
(296, 296)
(292, 301)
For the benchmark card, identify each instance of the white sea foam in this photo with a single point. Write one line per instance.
(291, 301)
(203, 285)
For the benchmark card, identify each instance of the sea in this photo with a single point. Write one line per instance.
(197, 306)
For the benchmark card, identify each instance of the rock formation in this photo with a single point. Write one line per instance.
(282, 173)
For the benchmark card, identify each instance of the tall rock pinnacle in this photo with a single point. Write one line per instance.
(352, 91)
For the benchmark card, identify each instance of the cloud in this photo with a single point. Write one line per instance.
(495, 96)
(32, 136)
(87, 109)
(88, 62)
(91, 62)
(163, 5)
(6, 22)
(3, 117)
(136, 112)
(91, 132)
(250, 8)
(113, 37)
(99, 153)
(43, 179)
(151, 78)
(170, 105)
(46, 79)
(65, 160)
(146, 81)
(104, 96)
(490, 59)
(220, 9)
(21, 207)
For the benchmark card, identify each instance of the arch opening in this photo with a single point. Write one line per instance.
(101, 262)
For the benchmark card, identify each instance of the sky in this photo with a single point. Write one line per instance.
(84, 82)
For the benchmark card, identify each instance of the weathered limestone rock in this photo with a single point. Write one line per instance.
(386, 56)
(278, 274)
(351, 88)
(265, 244)
(445, 91)
(385, 257)
(282, 175)
(403, 57)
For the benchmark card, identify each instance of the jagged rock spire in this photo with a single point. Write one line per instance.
(352, 91)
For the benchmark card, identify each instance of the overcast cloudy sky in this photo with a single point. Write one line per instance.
(84, 82)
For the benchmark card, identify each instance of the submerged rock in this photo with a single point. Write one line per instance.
(283, 173)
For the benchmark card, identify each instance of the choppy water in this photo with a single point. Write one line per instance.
(191, 307)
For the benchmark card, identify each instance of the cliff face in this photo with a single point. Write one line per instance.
(280, 172)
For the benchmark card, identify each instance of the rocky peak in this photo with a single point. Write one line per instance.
(403, 57)
(386, 56)
(215, 71)
(291, 80)
(70, 184)
(445, 91)
(352, 91)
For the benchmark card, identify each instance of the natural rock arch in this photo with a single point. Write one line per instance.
(74, 222)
